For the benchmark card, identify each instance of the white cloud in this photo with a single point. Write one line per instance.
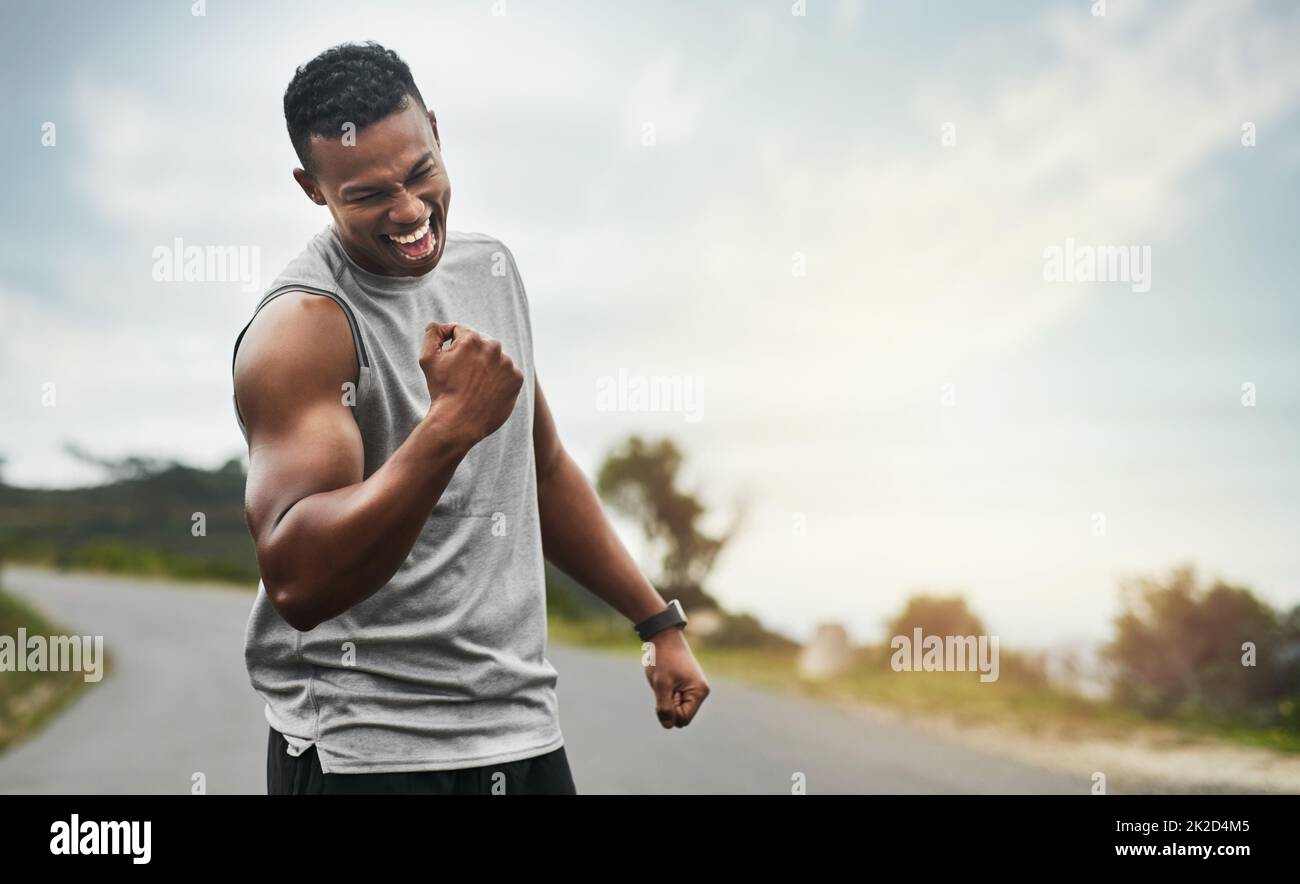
(919, 256)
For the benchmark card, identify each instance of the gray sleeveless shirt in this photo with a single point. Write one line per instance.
(444, 667)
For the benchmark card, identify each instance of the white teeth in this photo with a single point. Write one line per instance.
(418, 235)
(433, 244)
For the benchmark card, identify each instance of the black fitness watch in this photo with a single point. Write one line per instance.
(673, 615)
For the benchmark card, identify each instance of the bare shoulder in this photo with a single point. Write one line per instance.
(298, 349)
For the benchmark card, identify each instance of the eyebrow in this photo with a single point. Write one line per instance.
(358, 189)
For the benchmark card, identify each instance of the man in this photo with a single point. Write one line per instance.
(406, 479)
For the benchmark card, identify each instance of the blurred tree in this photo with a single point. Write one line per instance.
(1178, 650)
(639, 479)
(950, 615)
(126, 468)
(935, 615)
(4, 540)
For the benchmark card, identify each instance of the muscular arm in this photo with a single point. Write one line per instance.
(576, 536)
(579, 540)
(326, 539)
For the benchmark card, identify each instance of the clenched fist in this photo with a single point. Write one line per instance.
(678, 682)
(472, 383)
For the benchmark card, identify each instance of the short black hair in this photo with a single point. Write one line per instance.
(358, 83)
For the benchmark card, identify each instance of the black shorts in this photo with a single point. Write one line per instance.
(542, 775)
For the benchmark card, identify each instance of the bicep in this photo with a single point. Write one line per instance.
(289, 384)
(318, 449)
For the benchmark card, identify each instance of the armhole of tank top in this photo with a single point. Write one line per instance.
(363, 360)
(526, 310)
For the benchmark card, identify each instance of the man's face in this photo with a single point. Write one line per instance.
(390, 183)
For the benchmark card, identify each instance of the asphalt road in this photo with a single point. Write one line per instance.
(180, 702)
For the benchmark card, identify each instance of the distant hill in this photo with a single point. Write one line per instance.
(136, 525)
(140, 523)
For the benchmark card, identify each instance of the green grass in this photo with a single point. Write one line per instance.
(1278, 739)
(29, 699)
(108, 555)
(596, 632)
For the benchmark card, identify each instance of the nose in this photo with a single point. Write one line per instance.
(407, 210)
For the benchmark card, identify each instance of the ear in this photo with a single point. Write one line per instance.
(309, 186)
(433, 121)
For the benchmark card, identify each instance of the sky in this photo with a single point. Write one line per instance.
(836, 221)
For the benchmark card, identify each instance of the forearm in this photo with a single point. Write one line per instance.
(337, 548)
(579, 540)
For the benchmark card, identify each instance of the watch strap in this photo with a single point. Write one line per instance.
(672, 615)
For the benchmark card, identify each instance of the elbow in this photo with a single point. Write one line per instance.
(288, 604)
(288, 574)
(285, 594)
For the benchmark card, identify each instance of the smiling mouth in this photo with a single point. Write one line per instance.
(418, 245)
